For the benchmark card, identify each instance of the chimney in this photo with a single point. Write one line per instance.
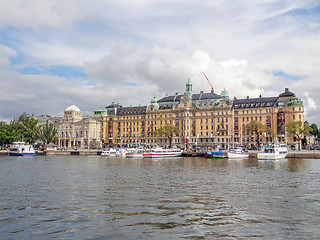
(247, 97)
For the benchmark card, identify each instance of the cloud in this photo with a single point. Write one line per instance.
(35, 14)
(5, 54)
(54, 53)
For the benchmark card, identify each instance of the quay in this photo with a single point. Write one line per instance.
(306, 154)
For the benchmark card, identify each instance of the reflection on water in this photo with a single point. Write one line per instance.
(191, 198)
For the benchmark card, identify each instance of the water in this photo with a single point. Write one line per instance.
(93, 197)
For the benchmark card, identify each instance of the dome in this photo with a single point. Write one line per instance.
(154, 99)
(224, 94)
(72, 108)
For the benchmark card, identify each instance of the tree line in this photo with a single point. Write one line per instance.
(28, 130)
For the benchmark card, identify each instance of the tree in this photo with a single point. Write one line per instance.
(255, 127)
(29, 129)
(314, 130)
(9, 133)
(168, 131)
(3, 133)
(48, 132)
(297, 129)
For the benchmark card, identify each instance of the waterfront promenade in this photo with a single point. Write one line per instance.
(306, 154)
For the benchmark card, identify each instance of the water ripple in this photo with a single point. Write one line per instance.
(191, 198)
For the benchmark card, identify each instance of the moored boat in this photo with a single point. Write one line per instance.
(109, 152)
(216, 154)
(135, 153)
(273, 152)
(21, 149)
(238, 153)
(162, 152)
(121, 152)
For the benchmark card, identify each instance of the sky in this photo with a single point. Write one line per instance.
(54, 53)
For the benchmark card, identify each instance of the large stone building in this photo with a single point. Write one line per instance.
(77, 131)
(204, 119)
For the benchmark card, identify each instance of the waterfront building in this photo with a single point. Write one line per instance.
(77, 131)
(273, 112)
(204, 119)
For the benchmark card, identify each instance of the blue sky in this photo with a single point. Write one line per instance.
(55, 53)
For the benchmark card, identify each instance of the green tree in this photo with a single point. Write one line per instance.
(297, 129)
(314, 130)
(3, 133)
(10, 133)
(48, 132)
(168, 131)
(29, 129)
(254, 127)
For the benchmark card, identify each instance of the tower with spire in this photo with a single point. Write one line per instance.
(189, 89)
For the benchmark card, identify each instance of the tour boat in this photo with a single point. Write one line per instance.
(162, 152)
(216, 154)
(109, 152)
(273, 152)
(135, 153)
(121, 152)
(21, 149)
(237, 153)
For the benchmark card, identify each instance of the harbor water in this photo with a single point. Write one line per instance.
(95, 197)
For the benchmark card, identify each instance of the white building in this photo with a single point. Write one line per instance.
(76, 131)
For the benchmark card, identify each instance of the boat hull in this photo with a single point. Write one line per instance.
(266, 156)
(152, 155)
(134, 155)
(21, 154)
(216, 154)
(237, 156)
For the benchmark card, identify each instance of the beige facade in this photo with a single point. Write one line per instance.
(203, 119)
(76, 131)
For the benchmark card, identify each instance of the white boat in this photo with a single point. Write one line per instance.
(273, 152)
(121, 152)
(51, 147)
(238, 153)
(21, 149)
(109, 152)
(135, 153)
(161, 152)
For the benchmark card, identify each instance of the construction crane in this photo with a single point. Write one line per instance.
(208, 81)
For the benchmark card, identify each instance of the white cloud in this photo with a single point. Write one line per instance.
(38, 13)
(133, 50)
(5, 54)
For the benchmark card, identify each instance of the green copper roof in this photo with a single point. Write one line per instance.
(104, 113)
(154, 99)
(189, 89)
(294, 101)
(224, 94)
(154, 102)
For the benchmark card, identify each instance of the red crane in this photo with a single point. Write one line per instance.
(208, 81)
